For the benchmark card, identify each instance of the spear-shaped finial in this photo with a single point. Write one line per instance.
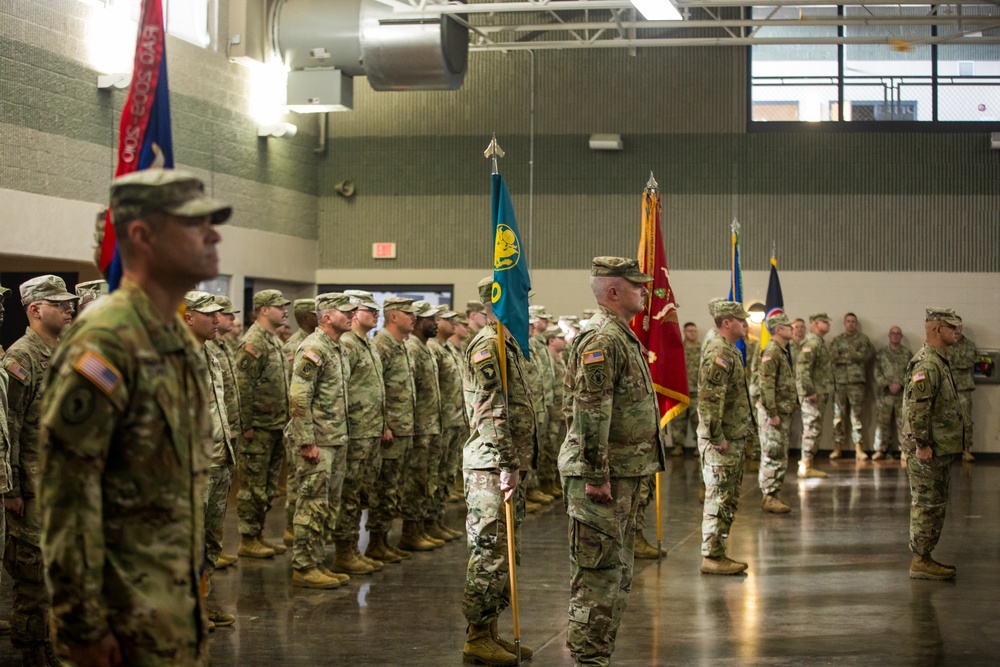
(774, 248)
(735, 226)
(493, 151)
(651, 184)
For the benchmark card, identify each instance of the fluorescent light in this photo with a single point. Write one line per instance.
(657, 10)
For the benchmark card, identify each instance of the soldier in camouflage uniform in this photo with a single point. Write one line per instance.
(798, 338)
(202, 319)
(125, 439)
(5, 473)
(263, 385)
(397, 439)
(501, 446)
(538, 380)
(365, 425)
(890, 371)
(305, 315)
(555, 341)
(777, 402)
(318, 431)
(49, 308)
(963, 360)
(454, 429)
(476, 315)
(814, 382)
(416, 498)
(304, 311)
(933, 432)
(89, 292)
(613, 442)
(688, 419)
(456, 346)
(725, 421)
(545, 488)
(850, 353)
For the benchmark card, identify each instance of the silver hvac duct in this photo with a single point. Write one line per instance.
(326, 42)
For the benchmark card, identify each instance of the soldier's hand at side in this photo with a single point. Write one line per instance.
(599, 494)
(104, 653)
(508, 483)
(722, 447)
(248, 434)
(925, 453)
(310, 453)
(894, 388)
(14, 506)
(387, 435)
(811, 398)
(774, 421)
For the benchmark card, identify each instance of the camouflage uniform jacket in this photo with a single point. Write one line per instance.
(535, 380)
(723, 397)
(541, 358)
(813, 374)
(931, 412)
(318, 397)
(795, 348)
(427, 406)
(502, 431)
(692, 360)
(458, 354)
(125, 459)
(397, 377)
(963, 360)
(5, 473)
(558, 384)
(232, 393)
(890, 367)
(223, 453)
(449, 384)
(365, 391)
(612, 419)
(288, 349)
(776, 381)
(262, 380)
(753, 368)
(849, 355)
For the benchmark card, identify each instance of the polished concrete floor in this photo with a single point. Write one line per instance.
(827, 585)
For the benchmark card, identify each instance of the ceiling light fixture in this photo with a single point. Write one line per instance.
(657, 10)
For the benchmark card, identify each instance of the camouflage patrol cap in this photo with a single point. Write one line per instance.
(4, 292)
(45, 288)
(821, 317)
(461, 319)
(727, 308)
(304, 306)
(621, 267)
(485, 287)
(588, 313)
(269, 298)
(91, 290)
(424, 308)
(554, 332)
(399, 303)
(446, 314)
(540, 312)
(779, 320)
(168, 190)
(227, 305)
(475, 306)
(201, 302)
(946, 315)
(363, 298)
(335, 301)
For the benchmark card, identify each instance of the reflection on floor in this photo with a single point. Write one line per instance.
(827, 585)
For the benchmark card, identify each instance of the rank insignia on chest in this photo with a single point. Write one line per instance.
(482, 355)
(593, 357)
(17, 370)
(312, 356)
(719, 361)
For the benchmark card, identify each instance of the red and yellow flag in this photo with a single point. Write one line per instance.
(657, 327)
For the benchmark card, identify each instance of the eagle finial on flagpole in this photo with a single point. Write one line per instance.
(735, 226)
(493, 151)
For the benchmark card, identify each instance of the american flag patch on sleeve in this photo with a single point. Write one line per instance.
(482, 355)
(766, 357)
(593, 357)
(289, 356)
(807, 349)
(721, 362)
(96, 369)
(917, 377)
(17, 370)
(312, 356)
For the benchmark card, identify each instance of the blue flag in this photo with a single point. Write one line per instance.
(773, 304)
(736, 281)
(510, 269)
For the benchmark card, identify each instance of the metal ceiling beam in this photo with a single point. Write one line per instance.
(712, 41)
(579, 5)
(832, 21)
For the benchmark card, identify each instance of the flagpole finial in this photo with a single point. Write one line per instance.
(774, 249)
(651, 184)
(735, 226)
(493, 151)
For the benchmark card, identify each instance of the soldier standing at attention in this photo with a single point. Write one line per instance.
(613, 441)
(476, 315)
(963, 360)
(89, 292)
(849, 354)
(397, 439)
(680, 424)
(555, 346)
(5, 474)
(798, 338)
(457, 343)
(501, 444)
(890, 371)
(454, 429)
(263, 385)
(814, 382)
(774, 412)
(304, 311)
(725, 422)
(318, 431)
(305, 315)
(49, 308)
(202, 319)
(933, 431)
(124, 441)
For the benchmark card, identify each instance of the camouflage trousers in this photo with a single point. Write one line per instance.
(686, 421)
(385, 501)
(541, 427)
(215, 498)
(646, 494)
(557, 433)
(888, 410)
(317, 506)
(416, 478)
(773, 452)
(601, 554)
(487, 578)
(847, 403)
(813, 416)
(965, 405)
(548, 452)
(929, 484)
(260, 466)
(363, 461)
(29, 617)
(454, 456)
(723, 473)
(451, 441)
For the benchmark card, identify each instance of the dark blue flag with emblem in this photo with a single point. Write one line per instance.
(736, 280)
(511, 283)
(774, 304)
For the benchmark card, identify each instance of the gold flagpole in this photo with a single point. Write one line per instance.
(648, 243)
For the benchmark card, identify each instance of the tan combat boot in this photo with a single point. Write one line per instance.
(531, 508)
(376, 564)
(482, 649)
(536, 496)
(836, 453)
(289, 537)
(379, 550)
(771, 503)
(967, 457)
(878, 456)
(860, 453)
(721, 565)
(413, 539)
(313, 578)
(253, 547)
(508, 646)
(437, 531)
(226, 560)
(339, 576)
(219, 618)
(4, 627)
(808, 471)
(424, 527)
(678, 450)
(644, 550)
(554, 490)
(347, 562)
(925, 567)
(459, 534)
(279, 548)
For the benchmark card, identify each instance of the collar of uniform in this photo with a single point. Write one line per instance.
(165, 337)
(37, 342)
(609, 314)
(944, 357)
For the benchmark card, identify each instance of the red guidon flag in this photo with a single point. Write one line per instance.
(657, 326)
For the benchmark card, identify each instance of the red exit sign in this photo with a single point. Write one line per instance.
(384, 250)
